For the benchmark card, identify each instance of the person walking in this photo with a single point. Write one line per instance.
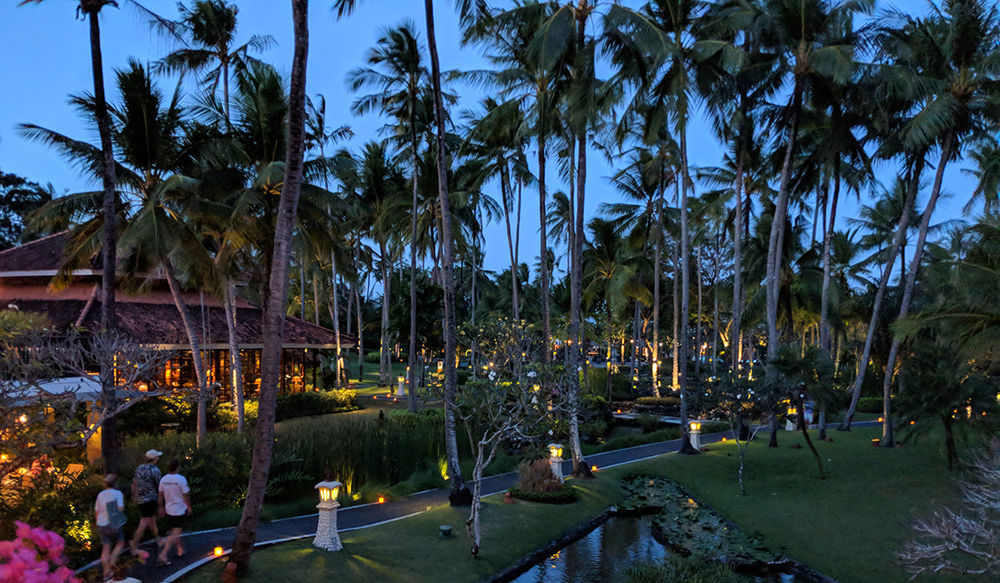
(108, 513)
(145, 484)
(175, 506)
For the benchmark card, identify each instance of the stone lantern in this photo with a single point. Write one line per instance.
(695, 434)
(556, 460)
(327, 537)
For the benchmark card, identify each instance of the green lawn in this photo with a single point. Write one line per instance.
(847, 526)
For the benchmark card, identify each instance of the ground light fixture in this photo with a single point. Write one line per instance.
(556, 460)
(401, 386)
(695, 434)
(217, 552)
(327, 537)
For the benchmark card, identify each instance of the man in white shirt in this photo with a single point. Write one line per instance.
(175, 506)
(109, 499)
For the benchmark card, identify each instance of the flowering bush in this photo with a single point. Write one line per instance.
(34, 556)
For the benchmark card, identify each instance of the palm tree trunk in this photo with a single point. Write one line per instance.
(697, 328)
(580, 467)
(736, 334)
(315, 298)
(235, 360)
(361, 336)
(715, 315)
(897, 244)
(302, 291)
(411, 357)
(824, 313)
(657, 260)
(685, 300)
(911, 280)
(383, 347)
(634, 361)
(460, 494)
(776, 238)
(110, 442)
(335, 316)
(543, 249)
(202, 395)
(505, 193)
(274, 314)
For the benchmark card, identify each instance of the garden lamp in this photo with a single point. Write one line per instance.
(327, 537)
(696, 434)
(555, 460)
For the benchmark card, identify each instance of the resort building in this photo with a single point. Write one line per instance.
(151, 319)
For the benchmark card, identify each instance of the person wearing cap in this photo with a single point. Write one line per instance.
(144, 492)
(108, 510)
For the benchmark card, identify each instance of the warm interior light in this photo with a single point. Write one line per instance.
(22, 419)
(217, 551)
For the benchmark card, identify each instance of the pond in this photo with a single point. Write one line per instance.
(603, 553)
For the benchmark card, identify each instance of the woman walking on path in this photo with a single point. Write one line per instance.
(108, 510)
(175, 506)
(144, 492)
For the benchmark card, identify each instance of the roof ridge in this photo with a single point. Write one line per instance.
(39, 240)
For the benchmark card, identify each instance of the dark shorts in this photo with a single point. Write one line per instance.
(147, 509)
(109, 534)
(176, 521)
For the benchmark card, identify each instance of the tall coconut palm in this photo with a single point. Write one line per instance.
(150, 138)
(274, 313)
(207, 33)
(525, 77)
(817, 42)
(90, 11)
(497, 138)
(957, 50)
(398, 75)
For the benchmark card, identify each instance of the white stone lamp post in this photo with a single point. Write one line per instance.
(326, 531)
(696, 434)
(555, 460)
(401, 387)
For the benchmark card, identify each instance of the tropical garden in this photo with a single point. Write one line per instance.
(812, 278)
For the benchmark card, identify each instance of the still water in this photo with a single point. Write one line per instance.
(601, 555)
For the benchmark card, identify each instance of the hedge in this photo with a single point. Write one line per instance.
(567, 495)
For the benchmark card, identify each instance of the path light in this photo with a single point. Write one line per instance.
(556, 461)
(326, 531)
(217, 552)
(401, 387)
(696, 434)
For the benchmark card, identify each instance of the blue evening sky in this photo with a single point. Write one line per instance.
(46, 57)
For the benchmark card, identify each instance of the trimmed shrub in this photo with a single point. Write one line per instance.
(664, 402)
(564, 495)
(315, 403)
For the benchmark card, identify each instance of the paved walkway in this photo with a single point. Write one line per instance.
(199, 545)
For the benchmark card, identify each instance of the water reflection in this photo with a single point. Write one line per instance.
(599, 556)
(605, 552)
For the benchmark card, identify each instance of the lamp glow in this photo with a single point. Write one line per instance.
(217, 552)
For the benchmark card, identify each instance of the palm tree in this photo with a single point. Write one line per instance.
(90, 10)
(816, 41)
(274, 313)
(959, 46)
(524, 76)
(207, 31)
(153, 147)
(399, 89)
(497, 138)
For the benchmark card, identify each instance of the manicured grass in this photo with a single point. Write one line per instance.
(409, 550)
(848, 526)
